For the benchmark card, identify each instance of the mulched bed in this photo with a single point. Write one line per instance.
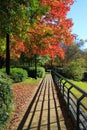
(22, 96)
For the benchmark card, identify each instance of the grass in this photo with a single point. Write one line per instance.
(80, 84)
(32, 81)
(77, 93)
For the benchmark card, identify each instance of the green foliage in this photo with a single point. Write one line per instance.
(4, 78)
(74, 70)
(18, 74)
(14, 17)
(42, 60)
(6, 104)
(31, 72)
(40, 72)
(2, 46)
(35, 9)
(11, 13)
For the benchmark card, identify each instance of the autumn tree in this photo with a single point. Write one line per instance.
(15, 17)
(11, 13)
(56, 19)
(51, 31)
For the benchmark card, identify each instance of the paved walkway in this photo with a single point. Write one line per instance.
(45, 111)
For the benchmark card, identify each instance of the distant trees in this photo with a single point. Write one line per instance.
(75, 63)
(85, 57)
(72, 53)
(74, 70)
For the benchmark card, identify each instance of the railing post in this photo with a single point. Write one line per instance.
(68, 97)
(60, 84)
(78, 110)
(63, 87)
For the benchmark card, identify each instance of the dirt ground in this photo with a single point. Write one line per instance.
(23, 94)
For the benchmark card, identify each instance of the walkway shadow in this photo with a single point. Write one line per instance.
(21, 125)
(46, 90)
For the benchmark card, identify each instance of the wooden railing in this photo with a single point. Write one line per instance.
(77, 104)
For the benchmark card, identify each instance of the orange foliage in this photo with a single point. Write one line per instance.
(50, 33)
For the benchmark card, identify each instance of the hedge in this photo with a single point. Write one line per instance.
(74, 71)
(18, 74)
(6, 96)
(6, 102)
(31, 72)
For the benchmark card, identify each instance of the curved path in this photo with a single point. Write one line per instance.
(46, 112)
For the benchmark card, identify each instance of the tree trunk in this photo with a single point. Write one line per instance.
(7, 54)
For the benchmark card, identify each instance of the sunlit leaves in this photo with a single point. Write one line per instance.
(48, 33)
(12, 14)
(2, 47)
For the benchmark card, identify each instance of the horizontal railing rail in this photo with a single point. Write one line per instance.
(77, 104)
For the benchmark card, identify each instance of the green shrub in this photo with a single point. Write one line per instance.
(31, 71)
(74, 70)
(5, 78)
(18, 74)
(40, 72)
(6, 102)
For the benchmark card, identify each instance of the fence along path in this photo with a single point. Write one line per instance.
(46, 111)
